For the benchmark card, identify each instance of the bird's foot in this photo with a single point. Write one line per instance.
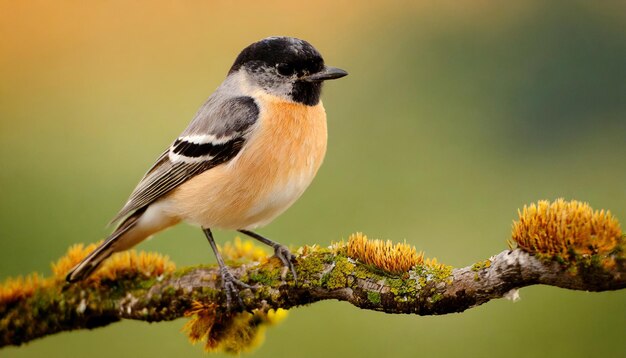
(230, 285)
(287, 258)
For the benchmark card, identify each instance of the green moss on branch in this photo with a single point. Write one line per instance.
(323, 274)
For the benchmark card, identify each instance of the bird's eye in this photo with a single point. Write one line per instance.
(285, 69)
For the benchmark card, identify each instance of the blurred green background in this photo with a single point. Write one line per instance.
(455, 114)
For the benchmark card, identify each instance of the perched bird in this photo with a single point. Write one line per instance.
(248, 154)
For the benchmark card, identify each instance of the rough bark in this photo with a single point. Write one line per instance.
(322, 274)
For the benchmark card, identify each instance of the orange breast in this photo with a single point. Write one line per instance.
(276, 165)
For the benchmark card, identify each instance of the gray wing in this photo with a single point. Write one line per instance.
(215, 135)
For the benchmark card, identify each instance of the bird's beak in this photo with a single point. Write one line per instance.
(328, 73)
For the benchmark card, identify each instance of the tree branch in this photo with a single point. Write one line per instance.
(322, 274)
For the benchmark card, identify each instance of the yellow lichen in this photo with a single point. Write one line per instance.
(234, 333)
(14, 289)
(203, 319)
(337, 248)
(146, 263)
(75, 254)
(247, 330)
(307, 250)
(243, 250)
(149, 264)
(129, 262)
(565, 228)
(432, 262)
(395, 258)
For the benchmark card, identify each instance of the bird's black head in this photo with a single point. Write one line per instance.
(286, 66)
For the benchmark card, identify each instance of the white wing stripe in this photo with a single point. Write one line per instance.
(206, 138)
(179, 158)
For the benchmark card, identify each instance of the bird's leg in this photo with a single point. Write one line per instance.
(228, 281)
(280, 251)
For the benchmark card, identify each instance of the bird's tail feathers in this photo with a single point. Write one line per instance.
(90, 263)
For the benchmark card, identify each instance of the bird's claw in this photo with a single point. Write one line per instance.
(287, 258)
(230, 284)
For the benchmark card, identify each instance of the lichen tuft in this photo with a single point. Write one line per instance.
(75, 254)
(243, 250)
(232, 333)
(133, 263)
(15, 289)
(566, 229)
(128, 263)
(202, 320)
(148, 264)
(395, 258)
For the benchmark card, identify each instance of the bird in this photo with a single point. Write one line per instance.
(248, 154)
